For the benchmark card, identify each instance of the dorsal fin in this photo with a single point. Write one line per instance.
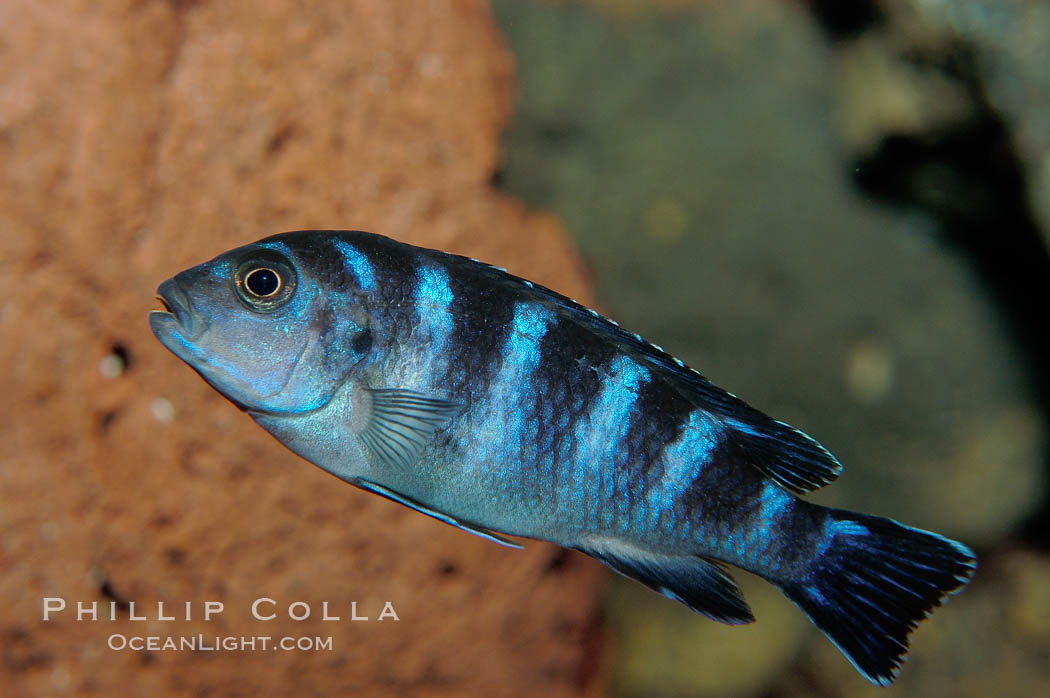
(792, 458)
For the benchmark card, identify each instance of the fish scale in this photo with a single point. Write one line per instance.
(503, 408)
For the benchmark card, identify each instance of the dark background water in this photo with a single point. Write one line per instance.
(840, 212)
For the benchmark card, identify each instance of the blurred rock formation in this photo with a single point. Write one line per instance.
(832, 210)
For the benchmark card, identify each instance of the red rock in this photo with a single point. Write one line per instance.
(138, 138)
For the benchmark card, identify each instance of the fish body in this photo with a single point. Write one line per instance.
(504, 408)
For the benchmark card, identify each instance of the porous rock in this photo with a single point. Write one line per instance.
(138, 138)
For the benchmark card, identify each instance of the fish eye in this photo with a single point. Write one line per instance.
(262, 282)
(265, 281)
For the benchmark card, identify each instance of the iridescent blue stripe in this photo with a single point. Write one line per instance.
(502, 417)
(599, 436)
(774, 502)
(529, 326)
(834, 527)
(359, 265)
(276, 245)
(847, 528)
(683, 460)
(433, 303)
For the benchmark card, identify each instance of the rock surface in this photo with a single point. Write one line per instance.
(138, 138)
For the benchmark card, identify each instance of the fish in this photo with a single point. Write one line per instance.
(503, 408)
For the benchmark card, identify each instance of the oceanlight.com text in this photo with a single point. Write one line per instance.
(219, 643)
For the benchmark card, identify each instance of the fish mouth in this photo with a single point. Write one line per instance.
(177, 309)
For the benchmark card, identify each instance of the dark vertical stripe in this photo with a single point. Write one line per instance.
(725, 499)
(484, 312)
(566, 384)
(659, 415)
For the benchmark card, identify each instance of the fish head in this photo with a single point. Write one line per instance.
(259, 324)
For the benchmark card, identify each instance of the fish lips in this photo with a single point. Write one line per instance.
(178, 317)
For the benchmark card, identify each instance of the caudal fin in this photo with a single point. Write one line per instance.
(873, 584)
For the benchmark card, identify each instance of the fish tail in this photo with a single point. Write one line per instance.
(872, 584)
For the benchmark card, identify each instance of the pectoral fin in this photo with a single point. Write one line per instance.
(451, 520)
(403, 422)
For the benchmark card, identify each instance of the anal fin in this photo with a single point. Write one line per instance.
(701, 584)
(440, 516)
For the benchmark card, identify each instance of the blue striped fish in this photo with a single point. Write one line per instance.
(503, 408)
